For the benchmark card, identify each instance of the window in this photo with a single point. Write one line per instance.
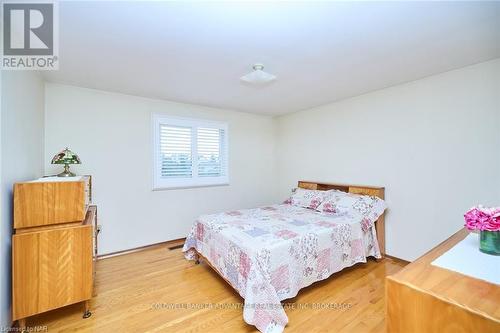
(189, 152)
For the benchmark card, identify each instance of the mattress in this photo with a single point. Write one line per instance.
(269, 253)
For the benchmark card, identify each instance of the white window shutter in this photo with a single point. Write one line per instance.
(175, 151)
(189, 152)
(210, 152)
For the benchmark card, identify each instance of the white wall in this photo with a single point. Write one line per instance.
(22, 135)
(433, 143)
(112, 135)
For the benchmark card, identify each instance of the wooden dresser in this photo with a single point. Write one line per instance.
(54, 246)
(425, 298)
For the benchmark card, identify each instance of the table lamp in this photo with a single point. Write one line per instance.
(66, 157)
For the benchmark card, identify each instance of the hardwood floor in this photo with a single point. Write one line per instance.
(135, 293)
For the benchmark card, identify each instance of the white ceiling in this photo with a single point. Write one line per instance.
(320, 51)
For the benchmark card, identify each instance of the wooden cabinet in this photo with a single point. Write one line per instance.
(426, 298)
(53, 246)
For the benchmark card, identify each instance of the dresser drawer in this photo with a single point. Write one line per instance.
(48, 202)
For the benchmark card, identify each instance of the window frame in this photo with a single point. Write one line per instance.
(160, 183)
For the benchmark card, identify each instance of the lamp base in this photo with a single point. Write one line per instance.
(66, 172)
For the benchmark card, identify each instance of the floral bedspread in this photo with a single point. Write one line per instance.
(268, 254)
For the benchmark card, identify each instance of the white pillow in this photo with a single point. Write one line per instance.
(341, 203)
(306, 198)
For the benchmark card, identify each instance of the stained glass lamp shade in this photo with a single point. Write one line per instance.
(66, 157)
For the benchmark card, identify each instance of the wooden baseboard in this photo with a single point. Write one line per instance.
(167, 244)
(406, 262)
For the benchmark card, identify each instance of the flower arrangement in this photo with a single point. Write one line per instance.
(487, 221)
(483, 218)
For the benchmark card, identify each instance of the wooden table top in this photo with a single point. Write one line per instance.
(476, 295)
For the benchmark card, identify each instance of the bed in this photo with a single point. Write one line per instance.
(268, 254)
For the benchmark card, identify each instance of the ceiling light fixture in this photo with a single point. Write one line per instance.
(258, 76)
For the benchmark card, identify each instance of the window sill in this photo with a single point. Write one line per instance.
(167, 188)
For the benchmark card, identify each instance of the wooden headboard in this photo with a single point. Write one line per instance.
(355, 189)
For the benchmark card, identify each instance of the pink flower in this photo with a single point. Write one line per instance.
(245, 264)
(493, 223)
(286, 234)
(328, 207)
(200, 232)
(314, 203)
(483, 218)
